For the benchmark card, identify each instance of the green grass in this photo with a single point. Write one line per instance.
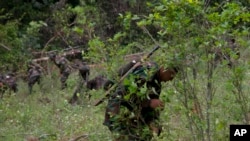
(46, 114)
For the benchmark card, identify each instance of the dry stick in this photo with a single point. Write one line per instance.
(146, 30)
(82, 136)
(92, 65)
(126, 74)
(50, 40)
(4, 46)
(64, 40)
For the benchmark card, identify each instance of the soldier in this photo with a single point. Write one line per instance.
(99, 82)
(34, 75)
(63, 64)
(2, 86)
(96, 83)
(10, 81)
(84, 75)
(83, 69)
(133, 109)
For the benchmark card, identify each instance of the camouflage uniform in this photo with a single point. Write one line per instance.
(84, 74)
(10, 81)
(128, 115)
(2, 86)
(34, 75)
(62, 63)
(99, 82)
(83, 70)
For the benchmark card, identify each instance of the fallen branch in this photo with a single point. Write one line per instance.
(4, 46)
(47, 44)
(40, 59)
(79, 137)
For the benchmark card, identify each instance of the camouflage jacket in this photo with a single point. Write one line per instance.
(62, 64)
(34, 71)
(132, 98)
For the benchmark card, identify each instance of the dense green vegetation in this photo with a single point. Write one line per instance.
(203, 100)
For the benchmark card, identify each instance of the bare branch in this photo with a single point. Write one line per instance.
(79, 137)
(4, 46)
(50, 40)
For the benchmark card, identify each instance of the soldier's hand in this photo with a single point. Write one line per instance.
(156, 103)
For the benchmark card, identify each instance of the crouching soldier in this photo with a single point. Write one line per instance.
(133, 109)
(34, 75)
(98, 82)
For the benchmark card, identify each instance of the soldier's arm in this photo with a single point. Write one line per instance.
(153, 103)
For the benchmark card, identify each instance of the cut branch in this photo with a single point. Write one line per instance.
(4, 46)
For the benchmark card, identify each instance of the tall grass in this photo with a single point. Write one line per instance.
(47, 115)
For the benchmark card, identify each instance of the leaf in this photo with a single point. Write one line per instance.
(78, 30)
(127, 97)
(136, 17)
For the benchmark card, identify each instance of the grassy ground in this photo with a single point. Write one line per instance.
(47, 115)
